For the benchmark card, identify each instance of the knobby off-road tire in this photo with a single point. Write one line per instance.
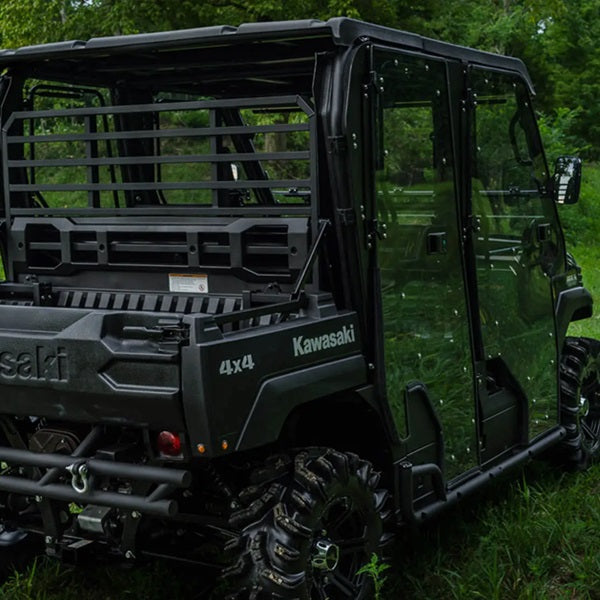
(580, 401)
(306, 535)
(17, 550)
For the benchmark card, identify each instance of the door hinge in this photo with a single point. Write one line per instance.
(375, 231)
(338, 144)
(347, 216)
(472, 224)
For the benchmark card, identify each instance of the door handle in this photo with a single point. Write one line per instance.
(437, 242)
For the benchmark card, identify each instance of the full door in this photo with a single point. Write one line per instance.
(425, 323)
(518, 247)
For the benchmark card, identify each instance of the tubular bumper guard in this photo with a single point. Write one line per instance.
(85, 472)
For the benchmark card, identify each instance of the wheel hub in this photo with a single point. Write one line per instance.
(326, 555)
(584, 407)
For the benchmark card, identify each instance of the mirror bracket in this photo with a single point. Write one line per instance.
(566, 181)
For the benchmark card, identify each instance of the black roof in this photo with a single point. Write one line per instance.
(311, 34)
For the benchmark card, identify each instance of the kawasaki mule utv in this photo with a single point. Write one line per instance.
(272, 291)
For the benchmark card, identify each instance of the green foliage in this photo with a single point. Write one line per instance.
(581, 221)
(375, 569)
(556, 131)
(556, 38)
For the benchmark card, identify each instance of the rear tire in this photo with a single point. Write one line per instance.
(17, 550)
(580, 401)
(306, 535)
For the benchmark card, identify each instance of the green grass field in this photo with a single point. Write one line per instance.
(532, 536)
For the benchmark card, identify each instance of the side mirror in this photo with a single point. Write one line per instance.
(567, 179)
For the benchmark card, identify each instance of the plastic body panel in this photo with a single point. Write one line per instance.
(89, 365)
(223, 376)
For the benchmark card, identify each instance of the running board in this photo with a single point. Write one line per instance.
(407, 472)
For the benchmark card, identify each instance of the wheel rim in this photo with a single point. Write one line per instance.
(589, 411)
(344, 539)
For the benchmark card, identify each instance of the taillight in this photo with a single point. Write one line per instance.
(168, 443)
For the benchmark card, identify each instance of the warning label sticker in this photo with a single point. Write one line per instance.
(188, 284)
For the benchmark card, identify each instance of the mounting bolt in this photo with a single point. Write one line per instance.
(49, 539)
(129, 555)
(38, 499)
(135, 514)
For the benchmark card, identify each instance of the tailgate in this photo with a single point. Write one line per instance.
(91, 365)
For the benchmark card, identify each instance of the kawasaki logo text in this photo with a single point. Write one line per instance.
(42, 364)
(303, 346)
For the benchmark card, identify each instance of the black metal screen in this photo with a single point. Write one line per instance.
(201, 157)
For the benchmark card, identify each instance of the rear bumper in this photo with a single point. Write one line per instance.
(85, 475)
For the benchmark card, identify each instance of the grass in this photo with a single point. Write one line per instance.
(47, 579)
(530, 537)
